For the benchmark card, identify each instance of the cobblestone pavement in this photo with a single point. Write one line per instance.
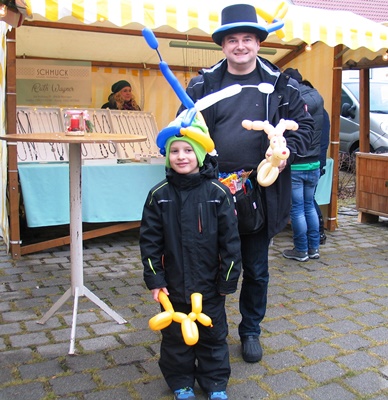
(325, 335)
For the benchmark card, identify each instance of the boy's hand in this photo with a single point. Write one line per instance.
(155, 293)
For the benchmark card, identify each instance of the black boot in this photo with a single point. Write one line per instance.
(322, 238)
(322, 235)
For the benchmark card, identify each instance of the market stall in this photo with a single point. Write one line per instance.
(117, 30)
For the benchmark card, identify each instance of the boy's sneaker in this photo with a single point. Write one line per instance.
(217, 395)
(314, 253)
(186, 393)
(296, 255)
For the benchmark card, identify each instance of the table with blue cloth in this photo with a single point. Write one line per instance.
(110, 192)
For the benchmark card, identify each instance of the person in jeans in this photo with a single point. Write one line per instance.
(305, 173)
(267, 94)
(325, 138)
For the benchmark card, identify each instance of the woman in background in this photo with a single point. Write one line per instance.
(121, 97)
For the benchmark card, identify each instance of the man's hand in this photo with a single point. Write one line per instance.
(282, 165)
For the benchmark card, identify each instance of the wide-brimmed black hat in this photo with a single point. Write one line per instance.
(239, 18)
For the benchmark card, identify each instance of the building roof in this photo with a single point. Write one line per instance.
(374, 10)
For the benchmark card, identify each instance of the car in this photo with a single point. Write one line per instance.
(350, 117)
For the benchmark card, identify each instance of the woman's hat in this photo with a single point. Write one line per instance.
(116, 87)
(239, 18)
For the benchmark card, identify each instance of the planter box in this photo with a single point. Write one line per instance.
(371, 186)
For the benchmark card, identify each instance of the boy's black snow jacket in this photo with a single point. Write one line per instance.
(189, 238)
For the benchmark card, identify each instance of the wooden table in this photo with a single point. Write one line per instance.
(77, 287)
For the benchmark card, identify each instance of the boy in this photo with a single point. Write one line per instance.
(189, 243)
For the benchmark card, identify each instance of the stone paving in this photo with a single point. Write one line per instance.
(325, 335)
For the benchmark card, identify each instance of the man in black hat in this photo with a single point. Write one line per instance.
(240, 36)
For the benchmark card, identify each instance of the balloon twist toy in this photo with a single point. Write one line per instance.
(268, 169)
(188, 326)
(197, 131)
(275, 18)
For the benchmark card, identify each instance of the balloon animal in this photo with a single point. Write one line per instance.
(275, 18)
(268, 169)
(188, 326)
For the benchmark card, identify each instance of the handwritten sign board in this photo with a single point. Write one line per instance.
(53, 83)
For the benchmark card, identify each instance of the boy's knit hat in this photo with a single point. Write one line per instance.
(199, 150)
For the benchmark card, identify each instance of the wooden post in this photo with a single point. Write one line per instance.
(364, 111)
(13, 180)
(334, 139)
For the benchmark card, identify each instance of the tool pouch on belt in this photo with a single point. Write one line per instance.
(250, 211)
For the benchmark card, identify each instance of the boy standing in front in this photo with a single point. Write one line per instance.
(189, 243)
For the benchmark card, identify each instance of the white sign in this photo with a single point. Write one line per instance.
(53, 83)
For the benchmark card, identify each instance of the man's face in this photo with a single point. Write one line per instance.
(241, 49)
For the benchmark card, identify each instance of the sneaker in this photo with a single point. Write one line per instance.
(251, 349)
(186, 393)
(296, 255)
(314, 253)
(217, 395)
(322, 238)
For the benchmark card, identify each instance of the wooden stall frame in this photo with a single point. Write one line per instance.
(331, 223)
(16, 247)
(13, 176)
(65, 240)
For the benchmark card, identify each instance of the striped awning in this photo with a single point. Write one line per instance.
(307, 24)
(334, 27)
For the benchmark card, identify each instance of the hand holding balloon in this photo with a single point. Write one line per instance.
(268, 169)
(188, 326)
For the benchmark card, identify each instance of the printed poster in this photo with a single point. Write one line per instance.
(53, 83)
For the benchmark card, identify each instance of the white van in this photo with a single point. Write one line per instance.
(350, 117)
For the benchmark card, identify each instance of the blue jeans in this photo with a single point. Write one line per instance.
(254, 287)
(304, 217)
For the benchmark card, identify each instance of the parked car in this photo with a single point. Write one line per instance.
(350, 117)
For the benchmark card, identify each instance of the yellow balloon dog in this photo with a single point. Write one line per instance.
(268, 169)
(188, 326)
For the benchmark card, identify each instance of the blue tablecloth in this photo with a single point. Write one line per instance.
(323, 193)
(110, 193)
